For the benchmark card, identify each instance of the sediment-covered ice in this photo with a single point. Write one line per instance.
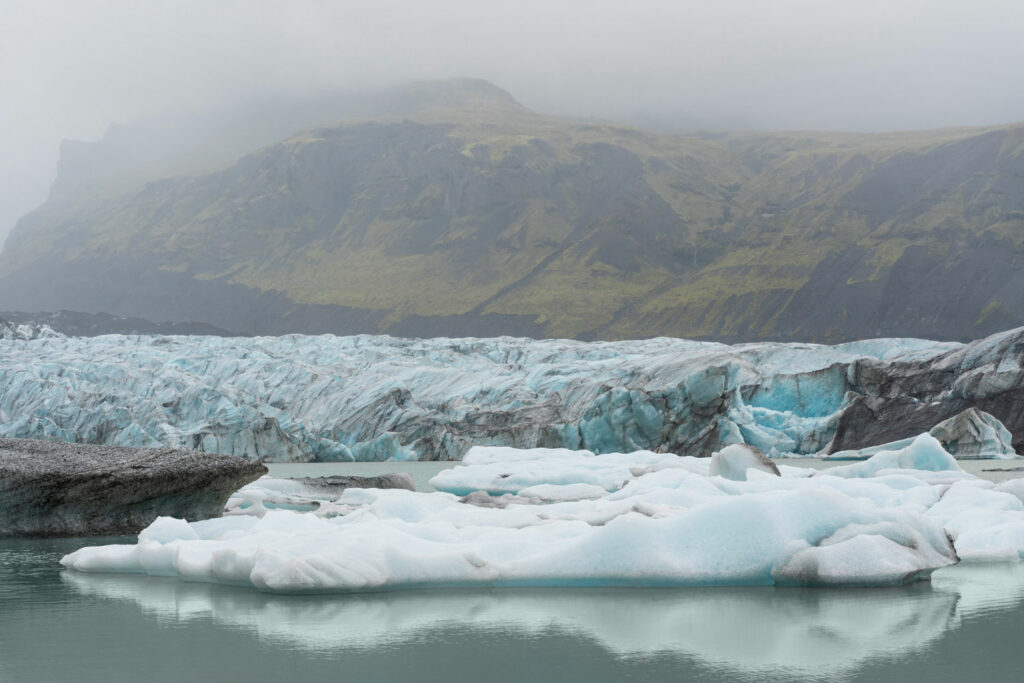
(301, 398)
(579, 519)
(970, 435)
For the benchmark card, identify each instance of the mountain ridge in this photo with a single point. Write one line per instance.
(467, 214)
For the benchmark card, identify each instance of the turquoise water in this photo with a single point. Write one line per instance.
(62, 626)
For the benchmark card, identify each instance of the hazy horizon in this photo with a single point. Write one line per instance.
(72, 69)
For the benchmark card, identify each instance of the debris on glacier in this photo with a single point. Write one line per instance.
(302, 398)
(58, 489)
(547, 517)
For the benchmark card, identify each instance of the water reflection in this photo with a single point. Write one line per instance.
(749, 631)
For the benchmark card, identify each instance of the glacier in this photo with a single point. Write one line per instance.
(324, 398)
(574, 518)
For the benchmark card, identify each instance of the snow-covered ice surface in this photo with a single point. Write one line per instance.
(326, 398)
(563, 518)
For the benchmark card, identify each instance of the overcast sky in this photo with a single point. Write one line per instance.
(70, 69)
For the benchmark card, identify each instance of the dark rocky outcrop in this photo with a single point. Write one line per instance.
(59, 489)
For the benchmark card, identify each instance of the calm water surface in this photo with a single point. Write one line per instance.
(966, 625)
(64, 626)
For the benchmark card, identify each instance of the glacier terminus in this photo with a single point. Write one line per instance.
(367, 398)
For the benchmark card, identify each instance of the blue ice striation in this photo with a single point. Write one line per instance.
(325, 398)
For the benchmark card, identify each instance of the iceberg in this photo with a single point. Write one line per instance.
(56, 489)
(324, 398)
(575, 518)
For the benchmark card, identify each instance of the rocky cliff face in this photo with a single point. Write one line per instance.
(452, 210)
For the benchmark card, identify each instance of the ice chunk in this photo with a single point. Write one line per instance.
(499, 470)
(924, 453)
(641, 519)
(974, 434)
(869, 555)
(167, 529)
(732, 462)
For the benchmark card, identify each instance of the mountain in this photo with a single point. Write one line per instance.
(449, 209)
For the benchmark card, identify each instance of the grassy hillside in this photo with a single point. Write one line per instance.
(466, 213)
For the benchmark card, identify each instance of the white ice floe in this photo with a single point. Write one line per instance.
(578, 519)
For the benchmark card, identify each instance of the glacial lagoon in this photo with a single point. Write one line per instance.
(59, 625)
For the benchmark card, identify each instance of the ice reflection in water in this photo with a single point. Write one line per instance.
(797, 632)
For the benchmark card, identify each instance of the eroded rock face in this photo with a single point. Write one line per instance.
(59, 489)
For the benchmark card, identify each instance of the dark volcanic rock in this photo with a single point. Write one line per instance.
(59, 489)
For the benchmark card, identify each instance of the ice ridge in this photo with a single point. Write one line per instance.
(325, 398)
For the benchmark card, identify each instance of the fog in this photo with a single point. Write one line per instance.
(70, 69)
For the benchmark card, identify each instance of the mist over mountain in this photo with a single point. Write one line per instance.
(447, 208)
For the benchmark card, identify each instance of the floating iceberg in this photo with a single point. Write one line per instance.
(302, 398)
(55, 489)
(579, 519)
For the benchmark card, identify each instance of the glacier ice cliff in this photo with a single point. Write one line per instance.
(325, 398)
